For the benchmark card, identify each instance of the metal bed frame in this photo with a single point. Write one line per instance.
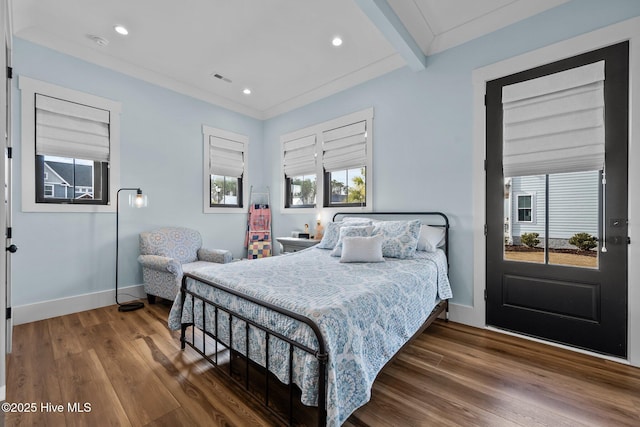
(320, 353)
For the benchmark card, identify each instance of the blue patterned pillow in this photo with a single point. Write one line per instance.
(351, 231)
(332, 233)
(400, 238)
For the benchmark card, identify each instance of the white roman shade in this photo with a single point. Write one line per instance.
(345, 147)
(555, 123)
(299, 156)
(226, 157)
(72, 130)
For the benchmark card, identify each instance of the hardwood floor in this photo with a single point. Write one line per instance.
(130, 370)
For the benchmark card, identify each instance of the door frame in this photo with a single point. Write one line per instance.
(5, 127)
(626, 30)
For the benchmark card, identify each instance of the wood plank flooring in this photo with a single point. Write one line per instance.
(129, 368)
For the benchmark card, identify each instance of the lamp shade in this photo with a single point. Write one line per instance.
(138, 200)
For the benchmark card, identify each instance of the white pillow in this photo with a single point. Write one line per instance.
(362, 249)
(351, 231)
(430, 238)
(332, 233)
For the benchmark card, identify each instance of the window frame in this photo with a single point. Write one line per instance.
(239, 194)
(287, 194)
(533, 208)
(49, 187)
(243, 194)
(327, 191)
(41, 197)
(321, 204)
(29, 88)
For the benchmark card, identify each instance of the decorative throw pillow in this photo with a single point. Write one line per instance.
(430, 238)
(351, 231)
(362, 249)
(400, 238)
(332, 233)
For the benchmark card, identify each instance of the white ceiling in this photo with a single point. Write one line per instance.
(280, 49)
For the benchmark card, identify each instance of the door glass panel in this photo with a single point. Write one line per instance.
(573, 218)
(524, 218)
(573, 215)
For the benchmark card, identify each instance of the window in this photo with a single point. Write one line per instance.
(225, 158)
(344, 160)
(525, 208)
(224, 191)
(301, 191)
(70, 149)
(332, 159)
(300, 171)
(347, 187)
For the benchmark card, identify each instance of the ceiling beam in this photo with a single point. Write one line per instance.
(383, 17)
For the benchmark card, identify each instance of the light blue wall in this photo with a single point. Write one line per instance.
(422, 154)
(70, 254)
(423, 124)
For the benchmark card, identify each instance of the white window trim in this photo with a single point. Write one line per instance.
(51, 187)
(28, 88)
(207, 132)
(533, 208)
(318, 129)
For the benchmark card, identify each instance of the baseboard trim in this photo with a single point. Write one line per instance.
(466, 314)
(60, 307)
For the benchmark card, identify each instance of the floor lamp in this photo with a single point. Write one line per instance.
(138, 200)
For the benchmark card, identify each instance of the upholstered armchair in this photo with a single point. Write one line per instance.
(167, 253)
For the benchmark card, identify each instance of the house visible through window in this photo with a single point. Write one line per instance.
(72, 152)
(525, 208)
(67, 178)
(70, 149)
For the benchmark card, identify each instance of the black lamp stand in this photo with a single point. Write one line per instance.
(132, 305)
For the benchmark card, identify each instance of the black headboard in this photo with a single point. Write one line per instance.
(434, 219)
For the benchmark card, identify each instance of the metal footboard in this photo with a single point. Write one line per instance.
(319, 353)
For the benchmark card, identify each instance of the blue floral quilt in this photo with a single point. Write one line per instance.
(365, 312)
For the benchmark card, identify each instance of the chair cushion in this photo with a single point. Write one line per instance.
(179, 243)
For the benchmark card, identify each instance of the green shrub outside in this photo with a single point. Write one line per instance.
(583, 241)
(530, 239)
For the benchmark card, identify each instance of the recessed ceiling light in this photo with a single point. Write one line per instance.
(121, 30)
(337, 41)
(246, 91)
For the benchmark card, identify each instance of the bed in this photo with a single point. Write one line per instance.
(323, 327)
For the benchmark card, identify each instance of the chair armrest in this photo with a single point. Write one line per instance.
(221, 256)
(161, 263)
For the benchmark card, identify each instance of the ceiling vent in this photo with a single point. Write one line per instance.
(221, 77)
(100, 41)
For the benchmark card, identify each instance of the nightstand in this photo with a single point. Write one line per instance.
(293, 244)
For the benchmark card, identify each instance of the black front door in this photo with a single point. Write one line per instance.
(538, 282)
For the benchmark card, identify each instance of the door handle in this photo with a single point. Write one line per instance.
(12, 248)
(619, 240)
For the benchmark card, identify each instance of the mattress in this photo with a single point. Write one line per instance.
(365, 311)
